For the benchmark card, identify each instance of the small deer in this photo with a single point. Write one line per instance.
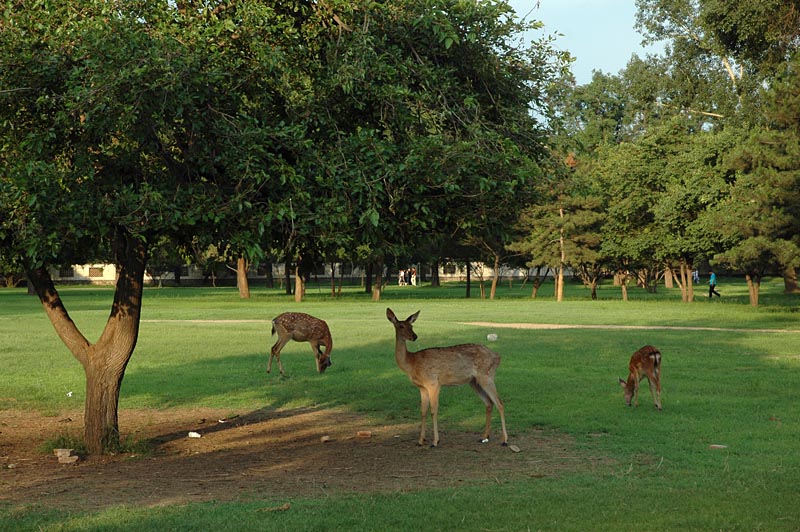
(432, 368)
(645, 364)
(302, 328)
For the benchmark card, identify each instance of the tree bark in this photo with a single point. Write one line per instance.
(790, 281)
(495, 277)
(753, 285)
(368, 278)
(378, 285)
(270, 278)
(562, 260)
(241, 278)
(287, 273)
(469, 281)
(299, 286)
(435, 280)
(104, 362)
(668, 278)
(333, 279)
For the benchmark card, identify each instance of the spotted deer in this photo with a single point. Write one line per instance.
(432, 368)
(301, 328)
(645, 364)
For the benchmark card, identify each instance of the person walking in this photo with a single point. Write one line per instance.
(712, 285)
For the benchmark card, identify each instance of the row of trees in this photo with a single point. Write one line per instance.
(305, 129)
(681, 159)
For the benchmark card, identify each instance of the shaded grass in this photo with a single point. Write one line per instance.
(734, 387)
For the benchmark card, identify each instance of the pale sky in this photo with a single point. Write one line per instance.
(598, 33)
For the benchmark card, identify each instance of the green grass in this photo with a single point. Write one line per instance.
(736, 386)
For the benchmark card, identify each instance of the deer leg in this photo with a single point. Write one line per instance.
(490, 391)
(424, 401)
(434, 396)
(657, 393)
(488, 402)
(317, 352)
(276, 353)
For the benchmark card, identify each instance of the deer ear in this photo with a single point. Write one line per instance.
(622, 383)
(413, 317)
(390, 315)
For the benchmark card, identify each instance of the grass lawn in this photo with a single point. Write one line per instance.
(730, 378)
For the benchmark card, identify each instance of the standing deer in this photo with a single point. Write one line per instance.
(432, 368)
(301, 328)
(645, 364)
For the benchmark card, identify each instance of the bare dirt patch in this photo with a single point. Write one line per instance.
(271, 455)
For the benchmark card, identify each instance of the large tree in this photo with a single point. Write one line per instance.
(422, 142)
(123, 122)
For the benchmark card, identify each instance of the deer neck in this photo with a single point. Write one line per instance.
(401, 354)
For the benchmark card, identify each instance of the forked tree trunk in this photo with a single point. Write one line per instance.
(104, 363)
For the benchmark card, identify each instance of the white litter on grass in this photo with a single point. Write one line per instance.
(492, 337)
(69, 394)
(195, 435)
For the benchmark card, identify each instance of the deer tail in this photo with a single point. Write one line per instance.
(273, 328)
(654, 354)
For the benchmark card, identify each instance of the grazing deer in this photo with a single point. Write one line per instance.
(645, 364)
(301, 328)
(432, 368)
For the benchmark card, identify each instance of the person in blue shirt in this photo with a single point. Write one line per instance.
(712, 285)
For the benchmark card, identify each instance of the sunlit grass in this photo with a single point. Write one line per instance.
(735, 385)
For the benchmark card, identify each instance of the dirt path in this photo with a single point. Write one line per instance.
(262, 455)
(553, 326)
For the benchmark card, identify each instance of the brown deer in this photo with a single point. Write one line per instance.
(432, 368)
(302, 328)
(645, 364)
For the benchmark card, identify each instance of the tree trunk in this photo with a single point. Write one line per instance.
(287, 273)
(753, 284)
(593, 286)
(378, 286)
(333, 279)
(560, 284)
(469, 281)
(687, 283)
(241, 278)
(270, 279)
(563, 259)
(299, 287)
(104, 363)
(435, 280)
(668, 278)
(790, 285)
(623, 284)
(368, 278)
(495, 277)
